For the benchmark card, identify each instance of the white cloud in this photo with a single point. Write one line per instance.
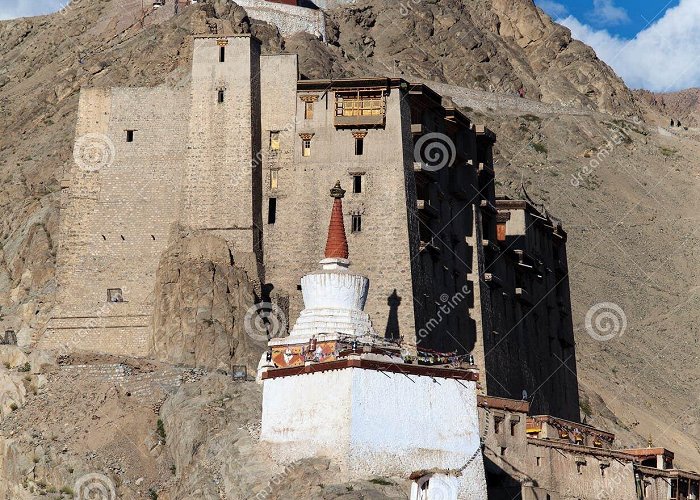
(663, 57)
(554, 9)
(10, 9)
(607, 13)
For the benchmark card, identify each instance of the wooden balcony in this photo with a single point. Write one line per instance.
(360, 110)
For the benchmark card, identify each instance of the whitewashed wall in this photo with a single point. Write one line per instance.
(372, 423)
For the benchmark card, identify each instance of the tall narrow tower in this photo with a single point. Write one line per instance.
(222, 183)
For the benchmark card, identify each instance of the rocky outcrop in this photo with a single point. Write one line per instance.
(213, 427)
(683, 107)
(201, 301)
(499, 45)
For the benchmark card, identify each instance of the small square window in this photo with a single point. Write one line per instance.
(129, 136)
(222, 54)
(306, 147)
(220, 96)
(274, 140)
(308, 110)
(274, 179)
(356, 223)
(503, 451)
(115, 295)
(359, 146)
(357, 183)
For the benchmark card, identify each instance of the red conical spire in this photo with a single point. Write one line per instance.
(337, 243)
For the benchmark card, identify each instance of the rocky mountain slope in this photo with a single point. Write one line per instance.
(625, 188)
(683, 106)
(498, 45)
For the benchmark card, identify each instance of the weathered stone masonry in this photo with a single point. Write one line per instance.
(247, 152)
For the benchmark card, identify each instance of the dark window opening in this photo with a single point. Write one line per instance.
(356, 183)
(272, 211)
(220, 96)
(503, 451)
(115, 295)
(10, 338)
(129, 136)
(497, 425)
(539, 462)
(359, 147)
(356, 223)
(222, 54)
(512, 428)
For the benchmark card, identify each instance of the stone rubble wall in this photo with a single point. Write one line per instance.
(138, 384)
(288, 18)
(129, 340)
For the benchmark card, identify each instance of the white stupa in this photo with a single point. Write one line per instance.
(334, 298)
(334, 389)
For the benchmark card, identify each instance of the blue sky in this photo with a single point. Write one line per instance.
(10, 9)
(651, 44)
(624, 18)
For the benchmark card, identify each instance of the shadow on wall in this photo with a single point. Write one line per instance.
(307, 3)
(392, 331)
(500, 485)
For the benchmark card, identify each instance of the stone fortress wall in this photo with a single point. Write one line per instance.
(225, 156)
(116, 214)
(289, 19)
(221, 189)
(294, 244)
(123, 195)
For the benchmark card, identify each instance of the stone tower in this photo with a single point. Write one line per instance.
(222, 188)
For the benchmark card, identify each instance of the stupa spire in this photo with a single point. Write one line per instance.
(337, 243)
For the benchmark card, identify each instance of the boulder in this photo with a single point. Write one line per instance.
(201, 301)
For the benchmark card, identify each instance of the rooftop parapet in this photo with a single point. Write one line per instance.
(553, 428)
